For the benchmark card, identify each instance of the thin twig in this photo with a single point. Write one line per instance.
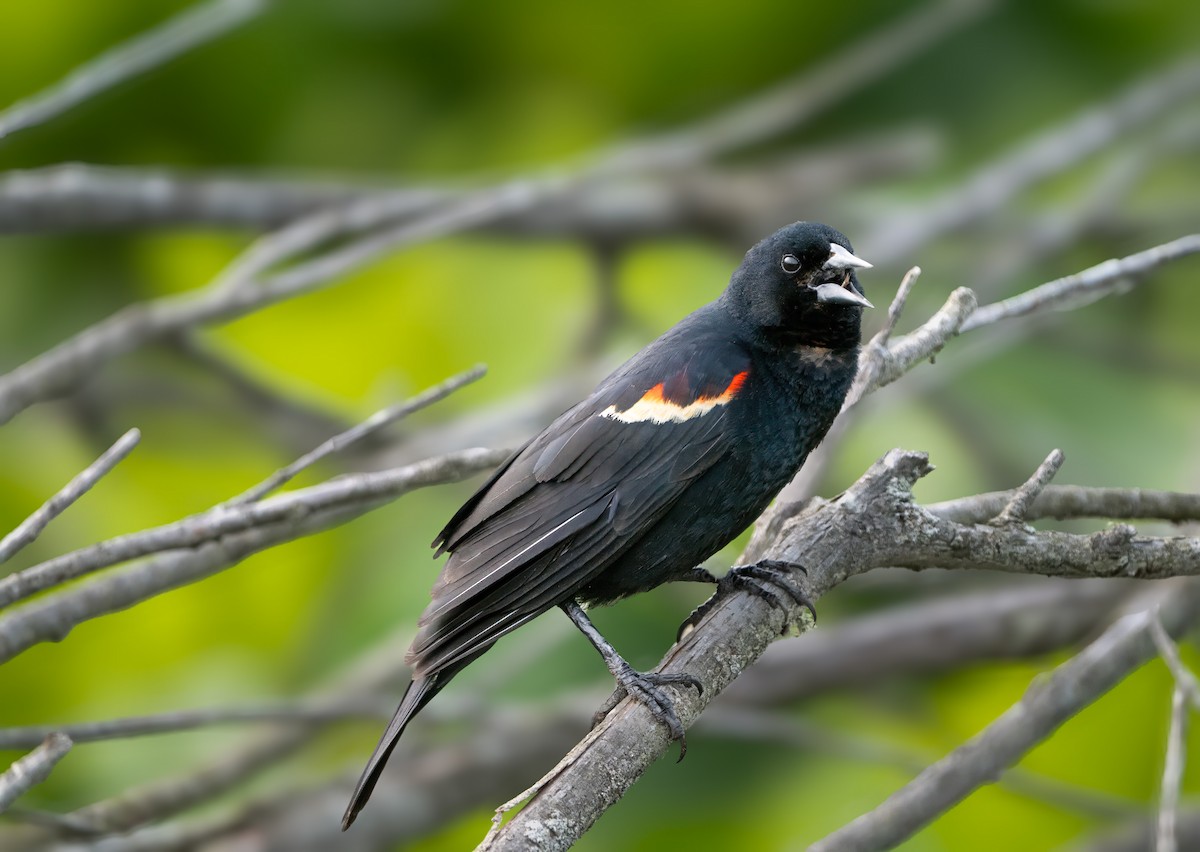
(142, 53)
(32, 769)
(1076, 501)
(32, 527)
(388, 223)
(1169, 651)
(1173, 766)
(897, 306)
(885, 363)
(353, 492)
(372, 424)
(53, 616)
(1017, 507)
(1047, 154)
(1085, 287)
(326, 710)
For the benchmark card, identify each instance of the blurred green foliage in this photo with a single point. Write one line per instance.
(429, 91)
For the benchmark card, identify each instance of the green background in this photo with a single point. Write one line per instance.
(429, 92)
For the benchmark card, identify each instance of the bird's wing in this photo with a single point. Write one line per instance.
(574, 498)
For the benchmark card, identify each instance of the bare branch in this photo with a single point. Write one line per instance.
(372, 424)
(797, 101)
(882, 363)
(388, 223)
(784, 729)
(1169, 651)
(353, 494)
(324, 710)
(32, 769)
(897, 306)
(874, 523)
(1075, 501)
(1043, 156)
(1017, 507)
(1048, 703)
(1082, 288)
(732, 202)
(931, 636)
(32, 527)
(733, 634)
(1172, 780)
(142, 53)
(53, 617)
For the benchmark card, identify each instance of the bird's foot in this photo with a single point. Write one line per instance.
(647, 688)
(769, 579)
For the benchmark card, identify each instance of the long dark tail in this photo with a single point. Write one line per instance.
(418, 694)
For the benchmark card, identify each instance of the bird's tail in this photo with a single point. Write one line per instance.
(418, 694)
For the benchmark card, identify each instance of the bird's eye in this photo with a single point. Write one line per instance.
(790, 264)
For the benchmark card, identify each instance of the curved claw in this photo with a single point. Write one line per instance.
(646, 687)
(766, 579)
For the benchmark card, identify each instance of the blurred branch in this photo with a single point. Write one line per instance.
(1142, 835)
(1045, 155)
(372, 424)
(388, 223)
(248, 511)
(32, 527)
(200, 546)
(1049, 702)
(931, 636)
(142, 53)
(777, 728)
(797, 101)
(32, 769)
(338, 709)
(294, 424)
(734, 203)
(1172, 777)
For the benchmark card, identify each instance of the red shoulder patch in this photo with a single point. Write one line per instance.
(662, 403)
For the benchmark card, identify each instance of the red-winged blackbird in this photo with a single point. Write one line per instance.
(669, 459)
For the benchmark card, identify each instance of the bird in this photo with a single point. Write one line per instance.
(671, 457)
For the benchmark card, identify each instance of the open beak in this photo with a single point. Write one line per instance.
(843, 293)
(840, 258)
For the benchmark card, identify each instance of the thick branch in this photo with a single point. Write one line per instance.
(873, 524)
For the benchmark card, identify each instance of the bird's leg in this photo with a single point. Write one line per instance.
(769, 579)
(646, 687)
(700, 574)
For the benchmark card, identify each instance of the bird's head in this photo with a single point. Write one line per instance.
(799, 286)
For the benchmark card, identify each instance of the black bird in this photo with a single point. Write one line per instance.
(668, 460)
